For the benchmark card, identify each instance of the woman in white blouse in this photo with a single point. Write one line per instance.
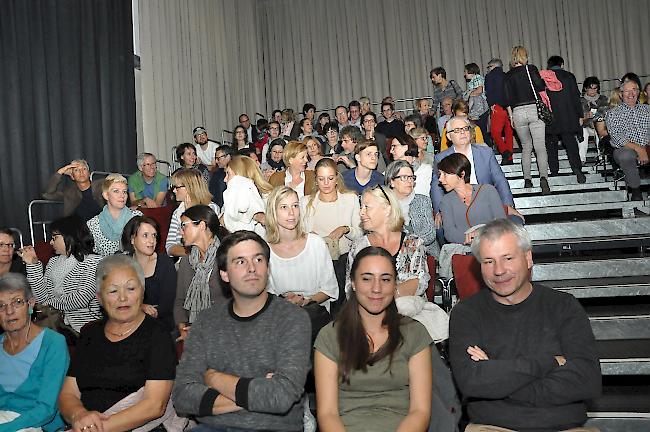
(295, 176)
(300, 265)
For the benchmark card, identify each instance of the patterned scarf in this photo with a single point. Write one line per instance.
(198, 293)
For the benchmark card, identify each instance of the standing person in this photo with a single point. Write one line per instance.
(78, 193)
(296, 176)
(499, 122)
(245, 362)
(416, 208)
(520, 93)
(34, 362)
(298, 255)
(68, 282)
(364, 175)
(140, 240)
(443, 88)
(475, 97)
(567, 112)
(186, 157)
(372, 365)
(190, 190)
(205, 148)
(106, 227)
(198, 286)
(523, 355)
(243, 200)
(217, 184)
(147, 186)
(332, 212)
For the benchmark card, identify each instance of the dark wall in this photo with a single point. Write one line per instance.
(66, 92)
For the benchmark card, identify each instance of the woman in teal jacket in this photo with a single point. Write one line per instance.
(34, 362)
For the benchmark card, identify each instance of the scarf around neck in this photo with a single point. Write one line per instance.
(591, 99)
(198, 293)
(112, 228)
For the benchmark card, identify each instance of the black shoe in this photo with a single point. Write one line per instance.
(553, 174)
(505, 162)
(581, 177)
(528, 183)
(635, 194)
(543, 183)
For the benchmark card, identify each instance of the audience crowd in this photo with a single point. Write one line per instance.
(304, 245)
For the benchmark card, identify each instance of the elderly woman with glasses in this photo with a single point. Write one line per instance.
(198, 284)
(9, 260)
(34, 362)
(416, 208)
(190, 190)
(405, 148)
(68, 282)
(123, 367)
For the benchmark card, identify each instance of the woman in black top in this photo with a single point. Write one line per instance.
(520, 100)
(140, 240)
(127, 358)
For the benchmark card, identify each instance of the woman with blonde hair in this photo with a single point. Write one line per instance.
(383, 220)
(298, 256)
(243, 199)
(521, 87)
(106, 228)
(295, 176)
(190, 190)
(332, 212)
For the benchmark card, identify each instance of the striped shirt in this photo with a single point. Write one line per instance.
(78, 302)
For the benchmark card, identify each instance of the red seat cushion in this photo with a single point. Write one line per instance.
(162, 215)
(467, 275)
(431, 263)
(44, 251)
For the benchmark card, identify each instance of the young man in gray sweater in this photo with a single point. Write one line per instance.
(245, 361)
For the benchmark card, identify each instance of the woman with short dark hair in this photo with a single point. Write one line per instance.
(68, 282)
(187, 158)
(465, 205)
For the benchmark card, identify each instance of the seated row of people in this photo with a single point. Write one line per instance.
(247, 356)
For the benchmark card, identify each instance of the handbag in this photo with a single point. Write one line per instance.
(543, 113)
(332, 247)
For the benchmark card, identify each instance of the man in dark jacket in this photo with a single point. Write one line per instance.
(71, 184)
(567, 112)
(499, 124)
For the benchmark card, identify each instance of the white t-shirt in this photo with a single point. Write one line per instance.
(424, 173)
(206, 156)
(308, 273)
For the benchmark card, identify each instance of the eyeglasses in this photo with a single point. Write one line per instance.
(54, 236)
(222, 156)
(593, 87)
(405, 178)
(7, 245)
(177, 187)
(15, 303)
(185, 224)
(461, 129)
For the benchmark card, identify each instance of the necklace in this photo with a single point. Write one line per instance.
(14, 349)
(124, 333)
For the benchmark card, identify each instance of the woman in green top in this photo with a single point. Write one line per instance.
(372, 365)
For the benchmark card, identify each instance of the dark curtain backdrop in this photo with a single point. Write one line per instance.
(66, 92)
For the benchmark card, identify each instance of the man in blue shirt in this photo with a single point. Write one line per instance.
(364, 175)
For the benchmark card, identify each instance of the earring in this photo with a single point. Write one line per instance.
(30, 311)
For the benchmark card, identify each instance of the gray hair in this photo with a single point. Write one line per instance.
(11, 282)
(112, 262)
(495, 62)
(83, 162)
(464, 119)
(498, 228)
(142, 156)
(393, 168)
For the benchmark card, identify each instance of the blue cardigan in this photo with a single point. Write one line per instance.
(36, 398)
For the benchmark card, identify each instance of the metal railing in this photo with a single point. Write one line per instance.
(42, 222)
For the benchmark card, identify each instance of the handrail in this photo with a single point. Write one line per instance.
(31, 217)
(92, 174)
